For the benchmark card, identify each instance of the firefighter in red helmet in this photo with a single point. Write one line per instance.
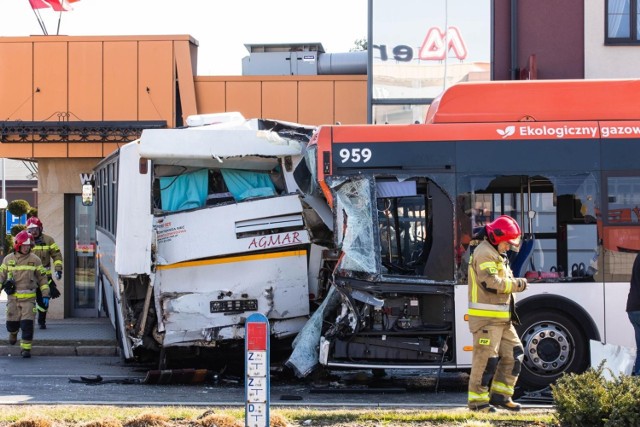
(21, 273)
(47, 250)
(497, 350)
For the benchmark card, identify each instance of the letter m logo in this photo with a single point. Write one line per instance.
(436, 44)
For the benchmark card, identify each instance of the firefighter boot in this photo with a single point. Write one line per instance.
(13, 338)
(25, 353)
(504, 402)
(42, 319)
(482, 407)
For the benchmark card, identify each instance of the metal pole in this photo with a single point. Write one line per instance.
(3, 212)
(4, 189)
(446, 42)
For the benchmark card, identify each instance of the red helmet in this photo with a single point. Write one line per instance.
(22, 238)
(34, 222)
(503, 229)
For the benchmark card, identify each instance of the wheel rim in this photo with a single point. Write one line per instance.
(548, 348)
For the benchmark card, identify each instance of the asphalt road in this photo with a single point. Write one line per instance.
(51, 380)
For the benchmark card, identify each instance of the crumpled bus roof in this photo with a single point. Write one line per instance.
(225, 145)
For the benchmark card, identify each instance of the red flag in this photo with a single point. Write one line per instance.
(38, 4)
(60, 5)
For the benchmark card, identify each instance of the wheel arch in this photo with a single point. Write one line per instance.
(562, 304)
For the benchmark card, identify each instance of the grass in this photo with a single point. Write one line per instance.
(170, 416)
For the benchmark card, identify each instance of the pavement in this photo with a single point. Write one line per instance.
(64, 337)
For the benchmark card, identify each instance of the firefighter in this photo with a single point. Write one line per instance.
(497, 350)
(46, 249)
(21, 273)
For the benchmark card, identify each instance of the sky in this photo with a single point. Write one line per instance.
(221, 27)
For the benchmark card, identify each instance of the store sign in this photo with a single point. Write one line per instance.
(435, 46)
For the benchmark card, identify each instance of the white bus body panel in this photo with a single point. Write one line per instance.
(134, 215)
(618, 329)
(213, 143)
(278, 281)
(213, 231)
(588, 295)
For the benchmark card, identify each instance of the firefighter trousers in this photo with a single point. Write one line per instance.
(20, 316)
(497, 360)
(42, 312)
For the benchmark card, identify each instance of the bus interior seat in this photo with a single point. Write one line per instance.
(521, 259)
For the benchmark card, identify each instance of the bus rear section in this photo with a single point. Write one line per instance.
(407, 198)
(209, 230)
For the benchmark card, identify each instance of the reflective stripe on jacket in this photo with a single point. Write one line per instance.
(47, 249)
(491, 283)
(27, 272)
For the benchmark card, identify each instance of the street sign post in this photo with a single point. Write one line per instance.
(257, 385)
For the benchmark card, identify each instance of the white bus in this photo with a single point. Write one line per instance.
(199, 227)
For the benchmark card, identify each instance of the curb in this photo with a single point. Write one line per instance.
(57, 350)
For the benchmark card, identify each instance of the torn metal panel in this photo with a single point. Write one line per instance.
(304, 357)
(218, 294)
(211, 145)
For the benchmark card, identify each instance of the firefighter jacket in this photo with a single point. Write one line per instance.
(47, 249)
(491, 285)
(28, 274)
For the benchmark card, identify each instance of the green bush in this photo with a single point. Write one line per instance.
(588, 399)
(625, 395)
(15, 229)
(8, 243)
(18, 207)
(32, 212)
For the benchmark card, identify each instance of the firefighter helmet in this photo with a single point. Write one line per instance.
(34, 222)
(22, 238)
(503, 229)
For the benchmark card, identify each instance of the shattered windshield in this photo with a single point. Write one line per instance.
(395, 227)
(354, 225)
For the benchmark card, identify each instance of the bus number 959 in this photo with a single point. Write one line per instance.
(355, 155)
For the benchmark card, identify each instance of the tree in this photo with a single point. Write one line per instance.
(359, 45)
(18, 207)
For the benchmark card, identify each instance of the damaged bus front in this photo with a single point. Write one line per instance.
(200, 227)
(391, 301)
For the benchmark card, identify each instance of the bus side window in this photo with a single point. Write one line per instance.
(218, 191)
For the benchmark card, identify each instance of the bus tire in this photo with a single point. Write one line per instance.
(553, 344)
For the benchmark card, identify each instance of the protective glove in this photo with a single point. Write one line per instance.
(9, 286)
(45, 302)
(53, 290)
(58, 275)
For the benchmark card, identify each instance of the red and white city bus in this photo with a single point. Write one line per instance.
(559, 156)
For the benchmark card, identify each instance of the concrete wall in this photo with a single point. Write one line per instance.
(58, 177)
(551, 30)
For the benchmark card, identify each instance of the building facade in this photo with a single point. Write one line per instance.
(70, 101)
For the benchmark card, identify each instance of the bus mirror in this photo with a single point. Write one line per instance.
(87, 195)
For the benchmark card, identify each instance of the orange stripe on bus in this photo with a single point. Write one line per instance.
(229, 260)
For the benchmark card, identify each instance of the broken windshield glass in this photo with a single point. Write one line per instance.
(354, 224)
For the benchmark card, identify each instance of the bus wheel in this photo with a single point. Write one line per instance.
(553, 345)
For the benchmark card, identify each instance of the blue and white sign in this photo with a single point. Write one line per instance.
(14, 220)
(256, 385)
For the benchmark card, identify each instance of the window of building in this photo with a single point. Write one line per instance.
(621, 22)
